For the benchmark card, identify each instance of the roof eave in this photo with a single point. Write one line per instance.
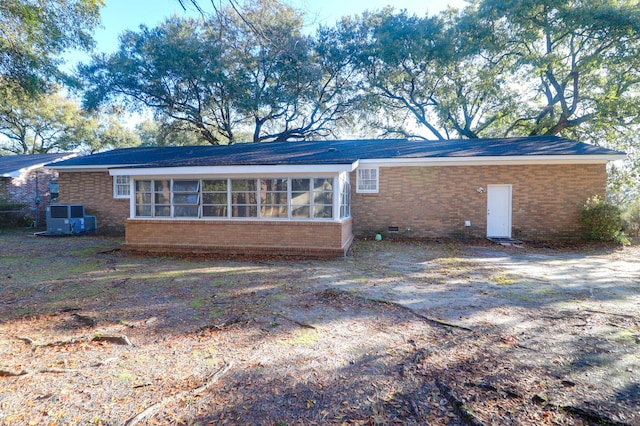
(234, 170)
(42, 165)
(88, 168)
(495, 160)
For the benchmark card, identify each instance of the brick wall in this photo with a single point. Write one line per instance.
(427, 202)
(423, 202)
(95, 191)
(22, 189)
(324, 239)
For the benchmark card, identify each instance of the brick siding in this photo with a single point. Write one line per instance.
(22, 190)
(422, 202)
(95, 191)
(317, 239)
(428, 202)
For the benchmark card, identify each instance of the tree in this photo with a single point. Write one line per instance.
(38, 126)
(103, 131)
(254, 72)
(154, 133)
(429, 69)
(54, 123)
(504, 67)
(579, 61)
(33, 34)
(170, 69)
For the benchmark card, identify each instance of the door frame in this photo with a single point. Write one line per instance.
(509, 208)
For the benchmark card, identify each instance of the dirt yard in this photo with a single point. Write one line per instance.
(435, 333)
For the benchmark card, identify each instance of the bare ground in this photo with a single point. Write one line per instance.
(398, 333)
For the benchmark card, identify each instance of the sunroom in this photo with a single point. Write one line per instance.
(255, 210)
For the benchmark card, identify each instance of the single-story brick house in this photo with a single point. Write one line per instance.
(311, 198)
(25, 180)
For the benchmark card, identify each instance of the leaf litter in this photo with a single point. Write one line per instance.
(90, 335)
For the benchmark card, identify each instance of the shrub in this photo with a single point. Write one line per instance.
(631, 219)
(13, 215)
(602, 221)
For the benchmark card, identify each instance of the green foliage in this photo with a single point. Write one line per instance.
(602, 220)
(576, 60)
(38, 125)
(252, 73)
(154, 133)
(631, 219)
(33, 34)
(54, 123)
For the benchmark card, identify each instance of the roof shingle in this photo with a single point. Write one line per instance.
(12, 164)
(335, 152)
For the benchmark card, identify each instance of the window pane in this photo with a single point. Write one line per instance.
(186, 198)
(345, 200)
(143, 198)
(214, 211)
(278, 184)
(122, 186)
(186, 185)
(367, 180)
(185, 211)
(323, 212)
(323, 197)
(245, 211)
(214, 198)
(214, 185)
(323, 184)
(124, 190)
(300, 212)
(274, 198)
(162, 198)
(300, 185)
(244, 198)
(143, 210)
(162, 211)
(300, 198)
(143, 186)
(162, 186)
(278, 211)
(243, 184)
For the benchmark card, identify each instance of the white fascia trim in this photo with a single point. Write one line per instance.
(279, 170)
(494, 161)
(17, 173)
(97, 168)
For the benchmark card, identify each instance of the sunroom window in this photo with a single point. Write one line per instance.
(273, 197)
(144, 201)
(186, 198)
(345, 200)
(244, 197)
(214, 198)
(323, 198)
(268, 198)
(162, 198)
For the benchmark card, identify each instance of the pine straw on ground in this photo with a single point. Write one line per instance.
(241, 342)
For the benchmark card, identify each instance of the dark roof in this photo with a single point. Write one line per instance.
(334, 152)
(12, 164)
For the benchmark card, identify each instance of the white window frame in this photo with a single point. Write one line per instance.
(118, 186)
(335, 199)
(360, 187)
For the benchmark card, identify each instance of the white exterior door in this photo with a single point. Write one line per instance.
(499, 211)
